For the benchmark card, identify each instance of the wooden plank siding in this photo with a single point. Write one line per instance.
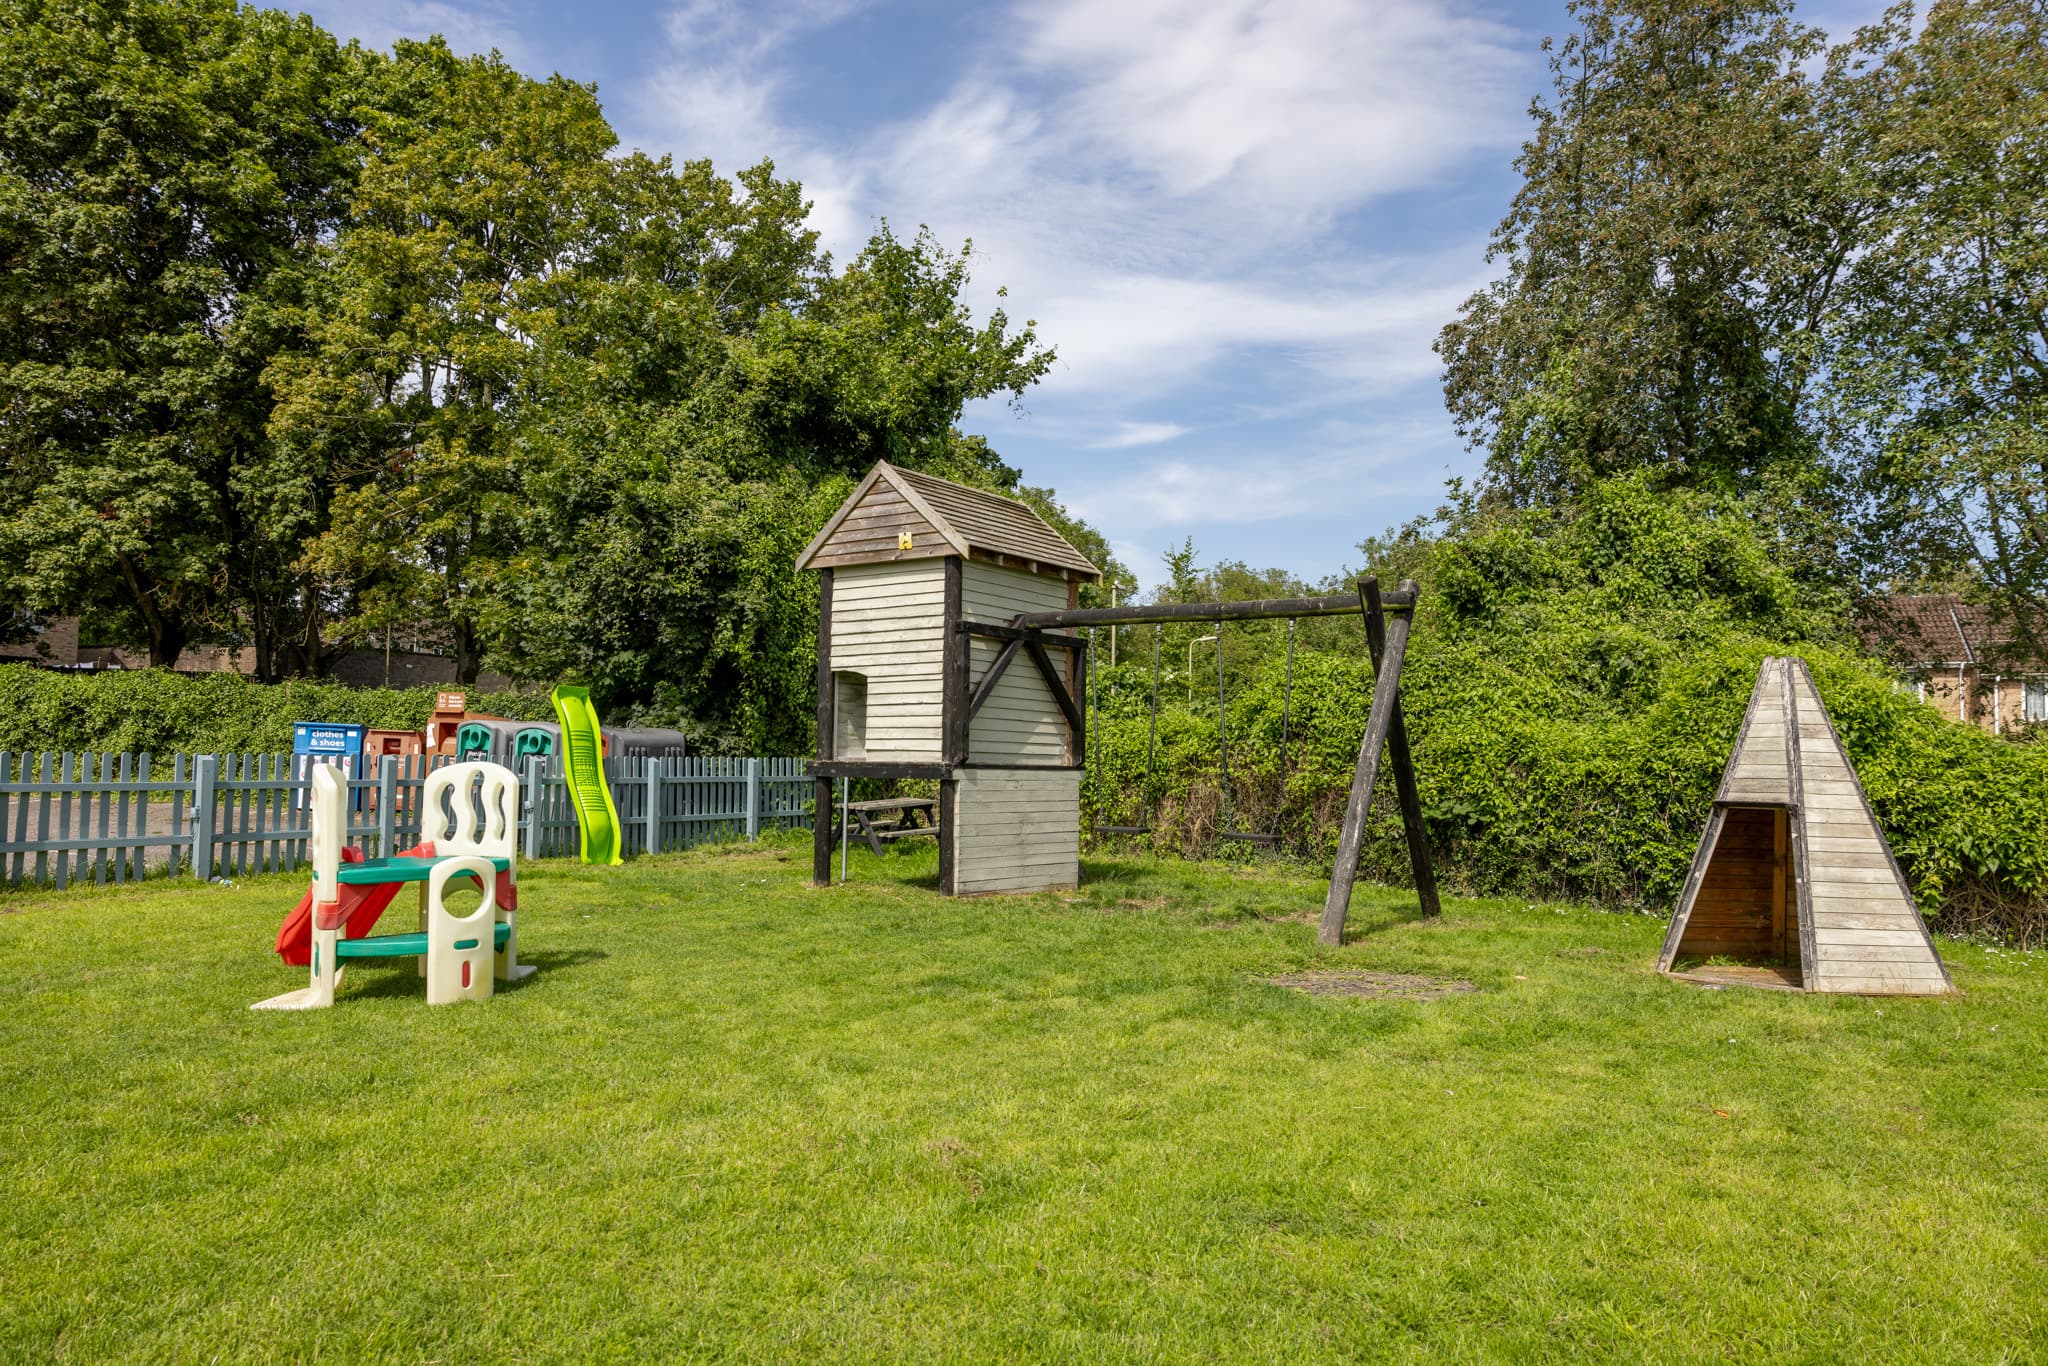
(888, 624)
(873, 530)
(1016, 830)
(1019, 723)
(1866, 927)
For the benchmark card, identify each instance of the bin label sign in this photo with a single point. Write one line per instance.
(312, 737)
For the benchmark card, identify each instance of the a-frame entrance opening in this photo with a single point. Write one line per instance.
(1744, 925)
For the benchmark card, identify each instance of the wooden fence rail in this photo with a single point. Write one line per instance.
(68, 818)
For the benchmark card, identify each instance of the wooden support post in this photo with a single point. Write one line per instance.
(1420, 866)
(958, 713)
(1385, 688)
(957, 652)
(949, 820)
(821, 835)
(821, 821)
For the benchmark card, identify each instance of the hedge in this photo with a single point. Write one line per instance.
(1575, 684)
(159, 712)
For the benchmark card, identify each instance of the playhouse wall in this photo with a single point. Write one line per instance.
(1020, 723)
(888, 623)
(1016, 830)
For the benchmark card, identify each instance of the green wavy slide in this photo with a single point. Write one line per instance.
(583, 764)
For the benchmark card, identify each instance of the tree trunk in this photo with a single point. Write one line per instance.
(167, 634)
(166, 641)
(467, 655)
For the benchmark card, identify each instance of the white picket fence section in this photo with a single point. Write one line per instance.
(102, 818)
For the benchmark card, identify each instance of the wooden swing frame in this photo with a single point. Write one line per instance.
(1389, 620)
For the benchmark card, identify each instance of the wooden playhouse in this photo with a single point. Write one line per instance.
(921, 578)
(1793, 885)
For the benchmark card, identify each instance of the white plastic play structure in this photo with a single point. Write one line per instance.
(468, 824)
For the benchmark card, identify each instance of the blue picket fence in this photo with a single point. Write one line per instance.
(102, 818)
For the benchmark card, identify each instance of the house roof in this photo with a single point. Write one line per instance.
(964, 521)
(1932, 628)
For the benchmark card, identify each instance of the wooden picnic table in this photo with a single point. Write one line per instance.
(891, 818)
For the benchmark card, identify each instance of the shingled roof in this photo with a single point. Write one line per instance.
(1924, 629)
(897, 514)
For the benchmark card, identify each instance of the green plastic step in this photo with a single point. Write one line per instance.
(400, 870)
(403, 945)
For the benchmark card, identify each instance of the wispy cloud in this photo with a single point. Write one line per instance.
(1128, 434)
(1179, 195)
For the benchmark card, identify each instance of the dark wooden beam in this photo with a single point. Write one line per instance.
(1349, 840)
(821, 824)
(949, 815)
(958, 652)
(879, 768)
(1329, 605)
(987, 686)
(1057, 686)
(999, 631)
(1420, 865)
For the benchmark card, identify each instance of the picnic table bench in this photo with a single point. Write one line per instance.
(891, 818)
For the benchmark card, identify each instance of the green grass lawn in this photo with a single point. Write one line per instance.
(734, 1116)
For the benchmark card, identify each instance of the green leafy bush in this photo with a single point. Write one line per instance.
(159, 712)
(1575, 683)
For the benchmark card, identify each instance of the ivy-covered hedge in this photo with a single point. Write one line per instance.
(1573, 690)
(155, 711)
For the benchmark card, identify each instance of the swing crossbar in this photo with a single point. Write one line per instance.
(1329, 605)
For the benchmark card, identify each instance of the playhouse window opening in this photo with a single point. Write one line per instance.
(849, 715)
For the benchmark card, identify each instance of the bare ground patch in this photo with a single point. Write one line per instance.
(1399, 986)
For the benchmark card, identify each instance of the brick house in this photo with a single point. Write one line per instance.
(1959, 659)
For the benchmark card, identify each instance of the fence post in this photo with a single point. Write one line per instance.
(387, 805)
(205, 769)
(536, 767)
(753, 799)
(652, 776)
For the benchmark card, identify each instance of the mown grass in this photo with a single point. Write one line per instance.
(734, 1116)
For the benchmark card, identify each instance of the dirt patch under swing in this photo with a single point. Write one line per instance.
(1399, 986)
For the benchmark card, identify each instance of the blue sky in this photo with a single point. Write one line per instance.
(1241, 222)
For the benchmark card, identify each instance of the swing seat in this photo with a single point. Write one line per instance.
(1120, 829)
(1249, 836)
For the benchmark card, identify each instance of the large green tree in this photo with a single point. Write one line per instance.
(164, 168)
(1943, 364)
(714, 388)
(475, 193)
(1672, 258)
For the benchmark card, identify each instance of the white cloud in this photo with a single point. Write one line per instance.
(1128, 434)
(1312, 102)
(1178, 194)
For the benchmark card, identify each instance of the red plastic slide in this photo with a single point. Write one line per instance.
(359, 904)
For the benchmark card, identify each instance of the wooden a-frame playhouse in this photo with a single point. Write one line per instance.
(1793, 878)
